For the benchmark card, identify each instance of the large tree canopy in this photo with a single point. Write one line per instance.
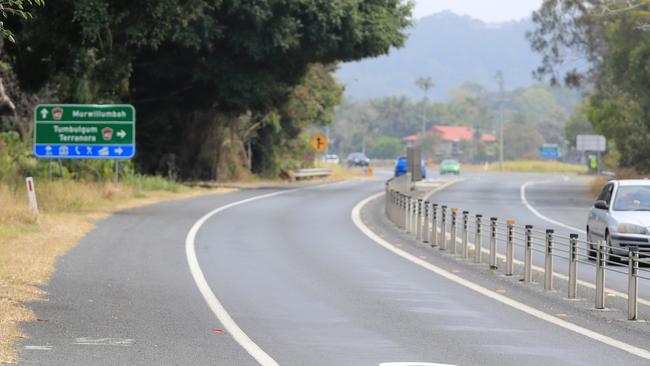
(193, 68)
(613, 36)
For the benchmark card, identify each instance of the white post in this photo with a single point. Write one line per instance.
(31, 194)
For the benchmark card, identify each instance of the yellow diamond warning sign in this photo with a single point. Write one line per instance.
(319, 142)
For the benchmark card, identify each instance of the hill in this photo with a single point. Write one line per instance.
(451, 49)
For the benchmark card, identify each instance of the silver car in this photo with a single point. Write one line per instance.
(621, 217)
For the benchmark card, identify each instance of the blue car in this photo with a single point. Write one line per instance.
(402, 167)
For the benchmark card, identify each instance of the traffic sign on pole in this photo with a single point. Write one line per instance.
(84, 131)
(319, 142)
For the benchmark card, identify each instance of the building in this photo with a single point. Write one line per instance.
(452, 138)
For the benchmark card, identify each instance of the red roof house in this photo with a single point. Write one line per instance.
(453, 133)
(489, 138)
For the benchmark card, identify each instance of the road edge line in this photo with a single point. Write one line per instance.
(356, 218)
(208, 295)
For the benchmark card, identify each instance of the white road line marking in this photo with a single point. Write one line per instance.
(356, 218)
(210, 298)
(522, 194)
(38, 348)
(86, 341)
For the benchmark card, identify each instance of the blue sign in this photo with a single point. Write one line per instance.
(550, 151)
(84, 151)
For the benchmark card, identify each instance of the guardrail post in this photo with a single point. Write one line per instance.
(600, 276)
(633, 283)
(493, 242)
(418, 220)
(452, 243)
(573, 266)
(548, 261)
(403, 213)
(443, 227)
(465, 232)
(510, 248)
(409, 211)
(477, 240)
(425, 222)
(434, 225)
(528, 254)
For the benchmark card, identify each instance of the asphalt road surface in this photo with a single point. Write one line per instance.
(298, 283)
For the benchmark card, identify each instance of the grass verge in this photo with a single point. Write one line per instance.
(30, 243)
(538, 166)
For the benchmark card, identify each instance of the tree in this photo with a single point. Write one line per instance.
(578, 124)
(200, 71)
(521, 141)
(19, 8)
(385, 147)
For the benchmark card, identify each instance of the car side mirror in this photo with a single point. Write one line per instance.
(601, 205)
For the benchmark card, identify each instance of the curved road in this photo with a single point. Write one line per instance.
(296, 275)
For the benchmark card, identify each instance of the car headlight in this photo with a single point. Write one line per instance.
(632, 229)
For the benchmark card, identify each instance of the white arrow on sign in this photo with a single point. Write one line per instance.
(44, 113)
(119, 151)
(121, 134)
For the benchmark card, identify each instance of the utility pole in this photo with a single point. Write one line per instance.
(501, 92)
(424, 83)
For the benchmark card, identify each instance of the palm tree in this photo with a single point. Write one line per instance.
(424, 83)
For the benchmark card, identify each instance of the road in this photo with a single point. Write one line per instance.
(294, 281)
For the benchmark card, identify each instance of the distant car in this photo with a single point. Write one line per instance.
(358, 159)
(332, 159)
(621, 217)
(450, 167)
(402, 167)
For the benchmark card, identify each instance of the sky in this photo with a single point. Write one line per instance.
(492, 11)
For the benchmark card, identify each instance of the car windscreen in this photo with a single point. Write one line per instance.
(632, 198)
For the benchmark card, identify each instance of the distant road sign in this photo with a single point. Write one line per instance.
(593, 143)
(84, 131)
(319, 142)
(550, 151)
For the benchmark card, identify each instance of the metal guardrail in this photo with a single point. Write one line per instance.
(309, 173)
(430, 223)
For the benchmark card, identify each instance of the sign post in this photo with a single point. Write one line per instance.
(592, 143)
(84, 131)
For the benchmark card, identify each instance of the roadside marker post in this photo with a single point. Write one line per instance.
(600, 276)
(548, 262)
(452, 244)
(464, 238)
(510, 248)
(493, 242)
(573, 267)
(528, 254)
(477, 240)
(31, 194)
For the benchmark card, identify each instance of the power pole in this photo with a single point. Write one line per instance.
(425, 84)
(501, 92)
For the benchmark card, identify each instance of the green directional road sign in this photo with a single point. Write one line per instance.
(84, 131)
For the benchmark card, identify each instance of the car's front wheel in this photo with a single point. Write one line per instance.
(591, 252)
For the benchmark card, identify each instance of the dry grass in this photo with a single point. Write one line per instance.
(538, 166)
(30, 244)
(341, 172)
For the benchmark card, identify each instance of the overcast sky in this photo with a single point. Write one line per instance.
(486, 10)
